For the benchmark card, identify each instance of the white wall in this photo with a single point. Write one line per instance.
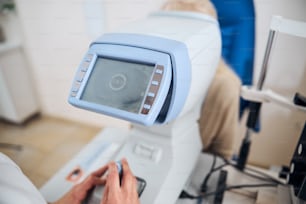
(281, 128)
(57, 34)
(119, 12)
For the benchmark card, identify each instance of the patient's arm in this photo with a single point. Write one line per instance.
(220, 112)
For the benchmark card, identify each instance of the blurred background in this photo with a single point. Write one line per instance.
(43, 41)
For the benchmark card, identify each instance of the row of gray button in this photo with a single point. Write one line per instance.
(81, 74)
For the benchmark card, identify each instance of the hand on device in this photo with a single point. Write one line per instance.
(114, 193)
(79, 192)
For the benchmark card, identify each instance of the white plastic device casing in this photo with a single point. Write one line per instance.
(193, 50)
(201, 35)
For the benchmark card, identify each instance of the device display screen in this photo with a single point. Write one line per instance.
(118, 84)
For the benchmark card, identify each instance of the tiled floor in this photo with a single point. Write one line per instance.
(47, 144)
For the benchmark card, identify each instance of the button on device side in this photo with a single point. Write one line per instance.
(155, 83)
(76, 87)
(89, 57)
(73, 94)
(80, 76)
(85, 66)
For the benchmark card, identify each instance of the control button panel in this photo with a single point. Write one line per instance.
(81, 74)
(153, 90)
(148, 151)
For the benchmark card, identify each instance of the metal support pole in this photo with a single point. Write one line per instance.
(255, 107)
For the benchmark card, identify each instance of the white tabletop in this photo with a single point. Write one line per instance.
(103, 147)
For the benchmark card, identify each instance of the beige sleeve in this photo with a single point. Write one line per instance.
(219, 117)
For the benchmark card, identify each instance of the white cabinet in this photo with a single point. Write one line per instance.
(17, 96)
